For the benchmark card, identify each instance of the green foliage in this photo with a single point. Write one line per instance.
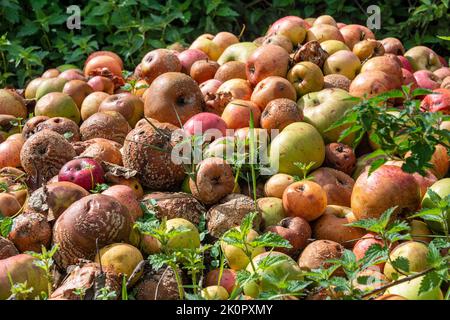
(5, 226)
(34, 34)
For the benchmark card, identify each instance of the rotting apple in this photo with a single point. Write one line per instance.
(305, 199)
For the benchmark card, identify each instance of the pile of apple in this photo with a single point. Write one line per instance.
(81, 150)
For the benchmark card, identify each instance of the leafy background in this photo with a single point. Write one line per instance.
(34, 36)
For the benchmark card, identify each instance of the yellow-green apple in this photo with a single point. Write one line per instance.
(354, 33)
(420, 231)
(227, 278)
(296, 230)
(342, 62)
(157, 62)
(237, 114)
(214, 292)
(393, 45)
(305, 77)
(298, 142)
(189, 236)
(271, 209)
(332, 46)
(279, 40)
(272, 88)
(237, 52)
(337, 185)
(325, 107)
(57, 104)
(50, 85)
(423, 58)
(203, 70)
(30, 90)
(91, 104)
(305, 199)
(236, 258)
(332, 225)
(238, 88)
(325, 19)
(415, 252)
(277, 183)
(367, 49)
(388, 186)
(323, 32)
(208, 46)
(427, 79)
(225, 39)
(267, 60)
(188, 57)
(410, 290)
(290, 26)
(442, 188)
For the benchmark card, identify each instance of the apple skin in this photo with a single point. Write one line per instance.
(292, 27)
(210, 86)
(420, 231)
(442, 73)
(305, 77)
(189, 239)
(239, 88)
(423, 58)
(410, 290)
(388, 64)
(85, 172)
(415, 252)
(442, 188)
(342, 62)
(325, 19)
(437, 102)
(298, 142)
(279, 40)
(203, 70)
(188, 57)
(427, 79)
(204, 121)
(386, 187)
(237, 260)
(325, 107)
(323, 32)
(214, 292)
(157, 62)
(237, 52)
(331, 225)
(405, 63)
(237, 114)
(276, 185)
(228, 279)
(337, 185)
(372, 83)
(353, 33)
(272, 88)
(393, 45)
(271, 209)
(408, 78)
(305, 199)
(267, 60)
(208, 46)
(368, 48)
(332, 46)
(362, 245)
(296, 230)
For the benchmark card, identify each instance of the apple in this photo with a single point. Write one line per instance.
(325, 107)
(336, 81)
(354, 33)
(305, 77)
(388, 64)
(239, 89)
(420, 231)
(372, 83)
(342, 62)
(323, 32)
(393, 45)
(189, 238)
(227, 279)
(102, 84)
(362, 245)
(427, 79)
(442, 73)
(446, 83)
(188, 57)
(157, 62)
(410, 290)
(214, 293)
(208, 46)
(367, 49)
(337, 185)
(442, 188)
(236, 258)
(325, 19)
(207, 122)
(237, 52)
(279, 113)
(272, 88)
(423, 58)
(210, 86)
(405, 63)
(276, 185)
(413, 251)
(292, 27)
(408, 78)
(390, 297)
(130, 106)
(203, 70)
(340, 157)
(298, 142)
(296, 230)
(438, 101)
(386, 187)
(332, 46)
(225, 39)
(85, 172)
(279, 40)
(231, 70)
(305, 199)
(331, 225)
(375, 280)
(271, 209)
(237, 114)
(267, 60)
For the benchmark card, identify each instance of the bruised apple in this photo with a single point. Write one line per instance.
(267, 60)
(305, 199)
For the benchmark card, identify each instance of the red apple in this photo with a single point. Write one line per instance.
(268, 60)
(188, 57)
(85, 172)
(408, 78)
(208, 122)
(361, 246)
(427, 79)
(237, 114)
(406, 64)
(438, 101)
(210, 86)
(228, 279)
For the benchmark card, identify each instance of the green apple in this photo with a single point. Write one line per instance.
(415, 252)
(325, 107)
(423, 58)
(190, 238)
(342, 62)
(237, 52)
(332, 46)
(57, 104)
(305, 77)
(271, 210)
(237, 260)
(410, 290)
(298, 142)
(442, 188)
(50, 85)
(283, 267)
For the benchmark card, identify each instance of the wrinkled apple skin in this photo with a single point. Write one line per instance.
(84, 172)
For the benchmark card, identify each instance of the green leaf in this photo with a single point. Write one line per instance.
(401, 263)
(429, 282)
(5, 226)
(270, 239)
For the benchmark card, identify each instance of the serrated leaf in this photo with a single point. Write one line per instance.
(429, 282)
(270, 239)
(401, 263)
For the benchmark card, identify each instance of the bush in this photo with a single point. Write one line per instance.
(34, 33)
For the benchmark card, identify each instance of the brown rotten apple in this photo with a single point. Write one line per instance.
(386, 187)
(340, 157)
(294, 229)
(231, 70)
(280, 113)
(157, 62)
(267, 60)
(336, 184)
(305, 199)
(173, 98)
